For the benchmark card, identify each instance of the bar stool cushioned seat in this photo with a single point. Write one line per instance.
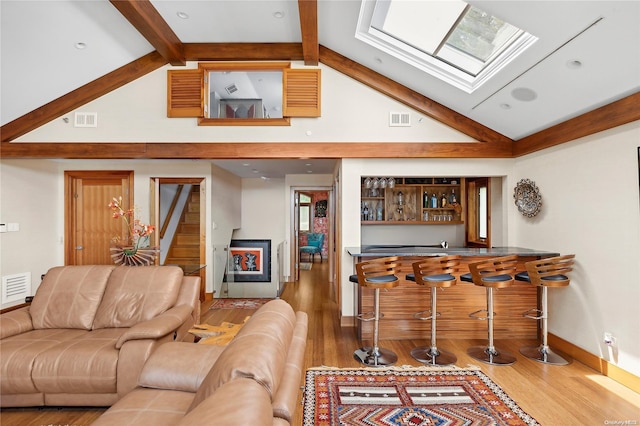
(545, 273)
(491, 274)
(381, 273)
(434, 272)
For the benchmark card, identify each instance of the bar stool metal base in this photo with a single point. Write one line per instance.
(493, 357)
(544, 355)
(380, 358)
(433, 356)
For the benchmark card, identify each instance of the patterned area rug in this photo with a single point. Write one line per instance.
(238, 303)
(407, 396)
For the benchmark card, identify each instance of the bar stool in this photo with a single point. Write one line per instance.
(545, 273)
(377, 274)
(434, 272)
(491, 274)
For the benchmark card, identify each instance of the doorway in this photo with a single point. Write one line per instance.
(89, 225)
(178, 207)
(312, 213)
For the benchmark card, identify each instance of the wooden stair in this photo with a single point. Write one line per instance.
(185, 247)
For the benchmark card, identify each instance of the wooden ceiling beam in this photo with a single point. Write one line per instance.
(274, 150)
(308, 10)
(411, 98)
(148, 21)
(609, 116)
(81, 96)
(243, 51)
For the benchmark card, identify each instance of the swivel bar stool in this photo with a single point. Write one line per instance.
(545, 273)
(434, 272)
(377, 274)
(492, 273)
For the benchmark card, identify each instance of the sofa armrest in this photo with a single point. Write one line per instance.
(157, 327)
(286, 399)
(15, 322)
(179, 366)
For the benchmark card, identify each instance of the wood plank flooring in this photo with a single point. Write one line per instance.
(554, 395)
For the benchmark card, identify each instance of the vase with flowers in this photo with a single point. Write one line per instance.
(134, 250)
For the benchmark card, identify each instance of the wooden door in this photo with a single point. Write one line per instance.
(89, 225)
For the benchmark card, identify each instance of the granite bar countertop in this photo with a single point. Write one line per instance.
(437, 250)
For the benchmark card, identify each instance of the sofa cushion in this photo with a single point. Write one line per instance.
(85, 364)
(147, 407)
(18, 354)
(69, 296)
(179, 365)
(137, 293)
(259, 351)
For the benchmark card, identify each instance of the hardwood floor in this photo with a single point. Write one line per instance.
(553, 395)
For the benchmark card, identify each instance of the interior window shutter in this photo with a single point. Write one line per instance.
(301, 92)
(184, 93)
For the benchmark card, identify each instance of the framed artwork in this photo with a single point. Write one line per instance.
(249, 261)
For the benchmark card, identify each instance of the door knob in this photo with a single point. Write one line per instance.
(79, 247)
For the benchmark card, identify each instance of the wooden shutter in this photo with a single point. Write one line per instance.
(301, 92)
(185, 93)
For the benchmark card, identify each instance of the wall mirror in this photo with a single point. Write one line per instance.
(244, 93)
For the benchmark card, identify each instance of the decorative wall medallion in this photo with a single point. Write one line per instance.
(527, 198)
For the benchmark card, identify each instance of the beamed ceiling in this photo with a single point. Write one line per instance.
(602, 35)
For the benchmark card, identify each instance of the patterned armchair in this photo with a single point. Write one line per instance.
(314, 245)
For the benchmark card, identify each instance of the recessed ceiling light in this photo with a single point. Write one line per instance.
(278, 14)
(246, 164)
(574, 64)
(505, 106)
(524, 94)
(182, 15)
(80, 45)
(309, 171)
(378, 59)
(307, 164)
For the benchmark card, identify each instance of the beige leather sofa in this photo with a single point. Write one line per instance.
(88, 332)
(254, 380)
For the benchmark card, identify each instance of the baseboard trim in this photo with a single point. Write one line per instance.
(347, 321)
(593, 361)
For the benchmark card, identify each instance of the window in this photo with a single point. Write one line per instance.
(478, 212)
(305, 213)
(451, 40)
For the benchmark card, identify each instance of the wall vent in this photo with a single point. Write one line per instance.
(16, 287)
(399, 119)
(232, 88)
(85, 119)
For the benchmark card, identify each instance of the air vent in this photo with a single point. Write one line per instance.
(232, 88)
(399, 119)
(86, 119)
(16, 287)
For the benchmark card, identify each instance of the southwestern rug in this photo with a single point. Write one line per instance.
(411, 396)
(249, 303)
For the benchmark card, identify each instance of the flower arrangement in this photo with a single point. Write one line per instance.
(138, 232)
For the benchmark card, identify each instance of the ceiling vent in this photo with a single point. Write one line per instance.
(399, 119)
(232, 88)
(85, 119)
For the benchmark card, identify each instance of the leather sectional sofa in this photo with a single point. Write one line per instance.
(89, 330)
(254, 380)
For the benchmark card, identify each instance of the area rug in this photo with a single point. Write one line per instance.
(238, 303)
(305, 266)
(407, 396)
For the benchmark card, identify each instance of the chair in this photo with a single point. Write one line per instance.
(314, 245)
(434, 272)
(545, 273)
(491, 274)
(381, 273)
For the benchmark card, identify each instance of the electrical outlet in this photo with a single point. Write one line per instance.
(609, 339)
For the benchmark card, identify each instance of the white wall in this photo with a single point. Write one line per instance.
(590, 207)
(263, 212)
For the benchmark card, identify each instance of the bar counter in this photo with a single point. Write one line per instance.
(454, 304)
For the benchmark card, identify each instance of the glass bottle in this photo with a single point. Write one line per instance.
(434, 201)
(379, 211)
(452, 197)
(425, 200)
(443, 200)
(366, 212)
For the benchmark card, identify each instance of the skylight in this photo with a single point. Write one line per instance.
(451, 40)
